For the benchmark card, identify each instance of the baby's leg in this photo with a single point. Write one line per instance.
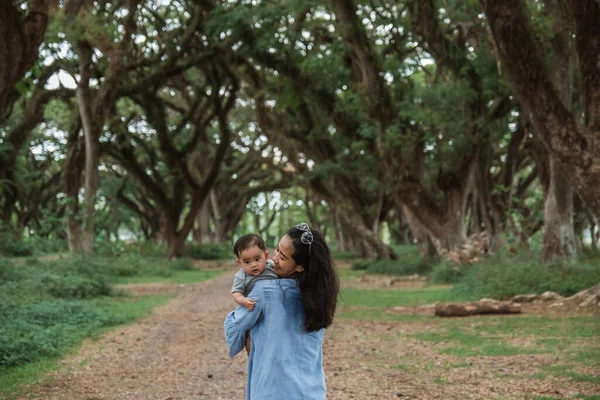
(247, 343)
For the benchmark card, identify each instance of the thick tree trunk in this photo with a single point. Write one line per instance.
(559, 234)
(19, 47)
(427, 250)
(371, 245)
(445, 225)
(572, 143)
(202, 233)
(175, 245)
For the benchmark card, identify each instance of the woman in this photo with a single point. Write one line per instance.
(288, 321)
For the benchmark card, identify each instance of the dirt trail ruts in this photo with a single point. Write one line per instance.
(179, 353)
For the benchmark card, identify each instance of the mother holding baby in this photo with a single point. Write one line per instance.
(288, 320)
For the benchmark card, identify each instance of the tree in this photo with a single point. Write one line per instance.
(571, 138)
(22, 28)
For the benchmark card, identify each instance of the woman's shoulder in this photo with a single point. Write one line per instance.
(270, 284)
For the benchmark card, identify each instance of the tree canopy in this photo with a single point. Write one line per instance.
(430, 121)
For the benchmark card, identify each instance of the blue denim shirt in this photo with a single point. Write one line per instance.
(286, 361)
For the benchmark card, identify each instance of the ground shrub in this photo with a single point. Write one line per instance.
(503, 278)
(47, 306)
(14, 245)
(447, 272)
(209, 251)
(408, 263)
(8, 272)
(344, 255)
(77, 287)
(141, 248)
(360, 265)
(43, 246)
(31, 331)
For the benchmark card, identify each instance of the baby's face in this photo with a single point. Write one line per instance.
(253, 260)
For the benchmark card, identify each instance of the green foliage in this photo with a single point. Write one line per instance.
(140, 248)
(46, 328)
(502, 278)
(343, 255)
(447, 272)
(13, 245)
(45, 307)
(209, 251)
(77, 287)
(380, 298)
(408, 263)
(389, 267)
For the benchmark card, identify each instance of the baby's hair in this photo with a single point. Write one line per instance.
(248, 241)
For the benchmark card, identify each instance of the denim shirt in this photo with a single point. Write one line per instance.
(286, 361)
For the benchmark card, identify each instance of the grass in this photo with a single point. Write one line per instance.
(384, 298)
(130, 309)
(182, 277)
(49, 307)
(568, 339)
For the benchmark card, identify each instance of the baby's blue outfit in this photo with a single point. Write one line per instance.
(286, 361)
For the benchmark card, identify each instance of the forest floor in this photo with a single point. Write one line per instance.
(179, 353)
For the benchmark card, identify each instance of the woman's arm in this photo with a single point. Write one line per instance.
(239, 321)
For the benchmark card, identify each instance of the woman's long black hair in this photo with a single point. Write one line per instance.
(319, 282)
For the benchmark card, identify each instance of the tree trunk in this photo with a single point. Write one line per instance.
(445, 224)
(372, 246)
(19, 47)
(573, 143)
(72, 181)
(175, 245)
(427, 250)
(202, 233)
(559, 234)
(339, 232)
(91, 130)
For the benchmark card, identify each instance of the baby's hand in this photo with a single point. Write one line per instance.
(248, 303)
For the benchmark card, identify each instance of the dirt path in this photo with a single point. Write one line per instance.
(178, 353)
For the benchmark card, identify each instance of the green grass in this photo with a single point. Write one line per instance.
(384, 298)
(408, 263)
(128, 309)
(502, 277)
(569, 339)
(368, 314)
(48, 307)
(347, 274)
(183, 277)
(471, 344)
(402, 367)
(567, 371)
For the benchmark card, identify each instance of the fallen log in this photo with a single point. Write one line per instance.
(474, 308)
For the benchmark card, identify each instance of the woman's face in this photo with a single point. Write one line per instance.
(284, 263)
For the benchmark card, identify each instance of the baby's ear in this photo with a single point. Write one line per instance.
(267, 254)
(237, 260)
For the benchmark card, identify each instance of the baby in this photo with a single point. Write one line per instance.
(252, 256)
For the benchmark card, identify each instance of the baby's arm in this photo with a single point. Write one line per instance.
(243, 300)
